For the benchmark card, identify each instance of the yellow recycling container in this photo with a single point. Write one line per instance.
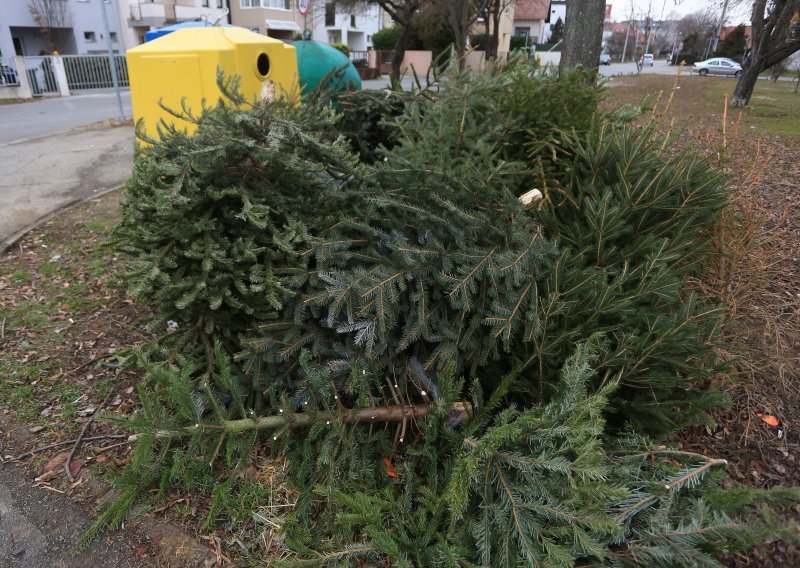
(183, 66)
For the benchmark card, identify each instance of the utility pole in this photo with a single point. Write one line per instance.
(111, 61)
(625, 46)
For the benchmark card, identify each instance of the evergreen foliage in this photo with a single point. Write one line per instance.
(214, 221)
(328, 268)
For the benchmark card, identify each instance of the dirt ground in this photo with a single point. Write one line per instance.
(64, 314)
(63, 317)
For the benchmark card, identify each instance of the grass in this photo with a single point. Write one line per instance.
(774, 107)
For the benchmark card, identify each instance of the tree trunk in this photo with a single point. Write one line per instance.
(400, 49)
(744, 88)
(495, 41)
(583, 34)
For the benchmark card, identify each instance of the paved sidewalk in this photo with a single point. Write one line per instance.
(41, 175)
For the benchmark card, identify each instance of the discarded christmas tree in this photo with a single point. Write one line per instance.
(412, 309)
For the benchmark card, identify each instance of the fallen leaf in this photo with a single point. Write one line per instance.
(75, 467)
(35, 429)
(769, 419)
(56, 460)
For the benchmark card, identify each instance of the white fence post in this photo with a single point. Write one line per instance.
(22, 76)
(61, 76)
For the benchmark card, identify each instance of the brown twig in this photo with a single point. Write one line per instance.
(80, 436)
(64, 443)
(87, 363)
(111, 447)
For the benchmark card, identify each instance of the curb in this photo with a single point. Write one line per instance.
(11, 240)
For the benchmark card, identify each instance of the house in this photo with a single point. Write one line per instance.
(140, 16)
(335, 23)
(77, 29)
(555, 11)
(279, 19)
(530, 18)
(506, 27)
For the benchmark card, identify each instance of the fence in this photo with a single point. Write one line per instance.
(8, 72)
(93, 71)
(41, 75)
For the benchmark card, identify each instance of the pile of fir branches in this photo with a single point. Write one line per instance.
(402, 305)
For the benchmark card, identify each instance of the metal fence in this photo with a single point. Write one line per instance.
(41, 75)
(8, 72)
(93, 71)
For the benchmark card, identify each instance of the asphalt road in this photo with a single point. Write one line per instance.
(56, 114)
(658, 68)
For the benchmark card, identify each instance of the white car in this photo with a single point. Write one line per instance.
(718, 66)
(646, 59)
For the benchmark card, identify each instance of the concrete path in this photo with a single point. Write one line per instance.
(41, 175)
(44, 539)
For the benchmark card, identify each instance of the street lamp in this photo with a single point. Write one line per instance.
(111, 63)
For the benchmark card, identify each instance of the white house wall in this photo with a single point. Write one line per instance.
(86, 17)
(368, 21)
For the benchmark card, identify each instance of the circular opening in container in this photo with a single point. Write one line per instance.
(262, 64)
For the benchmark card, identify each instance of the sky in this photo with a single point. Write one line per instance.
(620, 9)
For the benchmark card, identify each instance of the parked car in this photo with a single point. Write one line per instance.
(605, 59)
(718, 66)
(646, 59)
(8, 75)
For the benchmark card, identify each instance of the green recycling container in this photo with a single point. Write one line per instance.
(316, 60)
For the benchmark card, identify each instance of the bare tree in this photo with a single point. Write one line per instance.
(583, 35)
(461, 15)
(51, 16)
(775, 36)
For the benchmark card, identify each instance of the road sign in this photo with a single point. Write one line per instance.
(302, 6)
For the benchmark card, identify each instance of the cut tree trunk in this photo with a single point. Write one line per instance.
(583, 34)
(744, 88)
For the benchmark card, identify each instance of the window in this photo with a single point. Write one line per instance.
(714, 63)
(524, 32)
(113, 36)
(220, 4)
(250, 3)
(352, 20)
(330, 14)
(90, 36)
(277, 4)
(204, 3)
(725, 64)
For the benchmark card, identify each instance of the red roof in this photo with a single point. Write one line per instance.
(531, 9)
(727, 30)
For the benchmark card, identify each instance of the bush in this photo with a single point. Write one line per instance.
(686, 59)
(519, 42)
(341, 47)
(385, 39)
